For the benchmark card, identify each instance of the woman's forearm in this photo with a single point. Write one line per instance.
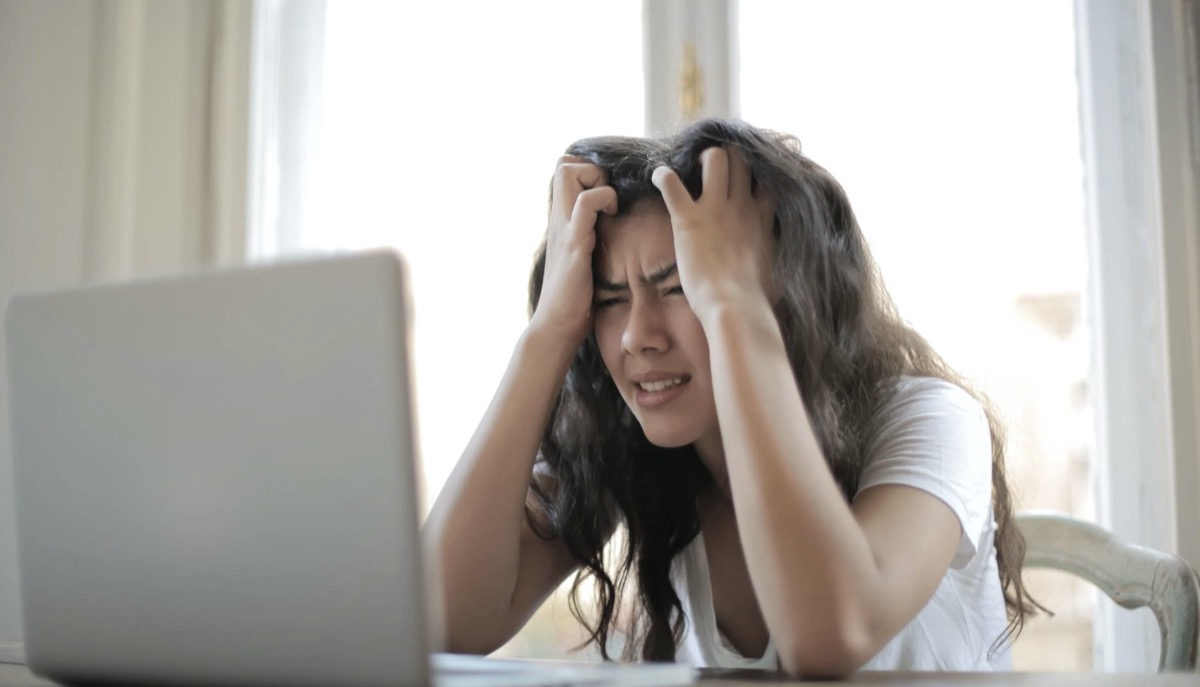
(476, 523)
(811, 565)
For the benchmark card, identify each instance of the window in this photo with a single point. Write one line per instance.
(961, 157)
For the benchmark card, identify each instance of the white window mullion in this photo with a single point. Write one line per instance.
(1174, 163)
(1128, 296)
(691, 65)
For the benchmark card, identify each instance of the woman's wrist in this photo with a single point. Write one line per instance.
(735, 308)
(550, 345)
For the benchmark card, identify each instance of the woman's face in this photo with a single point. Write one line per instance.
(649, 338)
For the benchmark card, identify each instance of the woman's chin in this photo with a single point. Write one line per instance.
(668, 438)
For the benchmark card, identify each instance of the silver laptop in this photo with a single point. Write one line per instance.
(216, 483)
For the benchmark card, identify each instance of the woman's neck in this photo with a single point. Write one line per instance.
(712, 455)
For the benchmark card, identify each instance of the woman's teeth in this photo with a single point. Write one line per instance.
(661, 384)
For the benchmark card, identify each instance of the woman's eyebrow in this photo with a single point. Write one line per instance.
(653, 279)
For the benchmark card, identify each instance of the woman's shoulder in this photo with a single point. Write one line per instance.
(911, 395)
(930, 422)
(931, 434)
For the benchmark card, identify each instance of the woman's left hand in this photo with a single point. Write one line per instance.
(723, 239)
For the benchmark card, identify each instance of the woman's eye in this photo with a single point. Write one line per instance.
(605, 303)
(675, 290)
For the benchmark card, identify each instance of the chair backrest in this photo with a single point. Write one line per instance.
(1133, 576)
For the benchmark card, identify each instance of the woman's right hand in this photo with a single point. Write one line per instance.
(579, 194)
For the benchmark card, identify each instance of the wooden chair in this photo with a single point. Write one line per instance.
(1133, 576)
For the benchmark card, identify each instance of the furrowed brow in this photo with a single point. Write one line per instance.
(654, 279)
(662, 275)
(605, 285)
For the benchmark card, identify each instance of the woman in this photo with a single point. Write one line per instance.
(713, 364)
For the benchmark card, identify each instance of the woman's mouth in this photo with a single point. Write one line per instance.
(661, 391)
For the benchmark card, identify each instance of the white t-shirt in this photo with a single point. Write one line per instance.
(933, 436)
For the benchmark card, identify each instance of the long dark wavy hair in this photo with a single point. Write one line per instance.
(847, 348)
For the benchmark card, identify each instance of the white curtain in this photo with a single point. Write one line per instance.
(123, 132)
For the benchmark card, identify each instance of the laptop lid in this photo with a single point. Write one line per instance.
(215, 478)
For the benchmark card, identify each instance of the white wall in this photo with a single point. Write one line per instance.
(122, 153)
(45, 70)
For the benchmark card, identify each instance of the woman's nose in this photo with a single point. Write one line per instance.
(644, 329)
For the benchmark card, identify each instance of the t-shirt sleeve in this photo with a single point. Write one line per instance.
(934, 436)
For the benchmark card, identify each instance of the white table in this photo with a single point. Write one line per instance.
(18, 676)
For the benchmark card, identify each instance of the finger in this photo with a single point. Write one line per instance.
(739, 175)
(578, 176)
(591, 203)
(572, 177)
(556, 181)
(714, 172)
(674, 193)
(602, 198)
(589, 176)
